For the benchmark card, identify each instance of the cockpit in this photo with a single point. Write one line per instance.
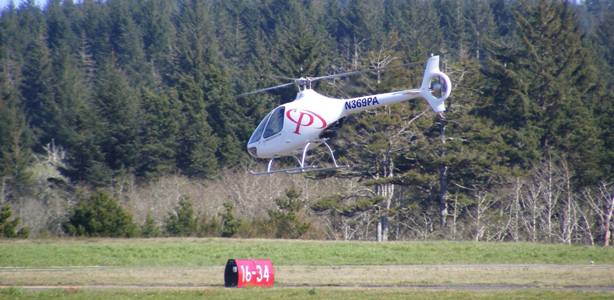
(270, 126)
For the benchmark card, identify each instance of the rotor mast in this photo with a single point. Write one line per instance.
(303, 83)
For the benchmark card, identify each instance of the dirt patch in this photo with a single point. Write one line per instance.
(583, 277)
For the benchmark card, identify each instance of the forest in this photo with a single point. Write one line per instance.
(121, 118)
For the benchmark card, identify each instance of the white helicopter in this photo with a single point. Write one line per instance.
(293, 128)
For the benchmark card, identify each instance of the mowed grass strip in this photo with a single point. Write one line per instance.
(297, 293)
(214, 252)
(537, 275)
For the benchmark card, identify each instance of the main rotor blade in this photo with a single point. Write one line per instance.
(361, 71)
(279, 77)
(311, 79)
(266, 89)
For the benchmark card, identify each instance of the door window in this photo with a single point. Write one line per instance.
(276, 122)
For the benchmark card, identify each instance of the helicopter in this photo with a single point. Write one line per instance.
(294, 128)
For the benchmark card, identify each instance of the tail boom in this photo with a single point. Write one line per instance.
(435, 88)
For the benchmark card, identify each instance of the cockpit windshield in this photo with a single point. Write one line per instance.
(276, 122)
(258, 133)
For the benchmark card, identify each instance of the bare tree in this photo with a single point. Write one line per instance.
(483, 203)
(531, 202)
(601, 202)
(568, 222)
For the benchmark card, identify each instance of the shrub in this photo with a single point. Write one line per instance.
(230, 224)
(210, 227)
(181, 221)
(100, 215)
(150, 228)
(286, 217)
(8, 227)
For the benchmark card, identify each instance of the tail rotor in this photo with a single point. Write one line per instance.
(436, 86)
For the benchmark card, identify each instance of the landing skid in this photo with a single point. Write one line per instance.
(300, 170)
(302, 167)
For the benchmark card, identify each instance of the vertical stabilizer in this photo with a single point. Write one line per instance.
(436, 85)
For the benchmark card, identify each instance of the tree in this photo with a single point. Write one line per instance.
(101, 216)
(286, 219)
(300, 47)
(118, 108)
(230, 224)
(225, 115)
(79, 124)
(375, 141)
(196, 54)
(8, 228)
(158, 133)
(346, 214)
(418, 25)
(150, 228)
(15, 137)
(541, 91)
(127, 43)
(197, 141)
(155, 20)
(603, 45)
(463, 148)
(37, 92)
(453, 26)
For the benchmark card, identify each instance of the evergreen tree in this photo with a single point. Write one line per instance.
(285, 217)
(150, 228)
(118, 107)
(8, 228)
(100, 215)
(502, 15)
(61, 35)
(127, 43)
(158, 133)
(181, 221)
(37, 91)
(154, 18)
(542, 90)
(375, 142)
(15, 136)
(300, 47)
(453, 23)
(480, 27)
(364, 23)
(417, 24)
(230, 224)
(197, 142)
(96, 24)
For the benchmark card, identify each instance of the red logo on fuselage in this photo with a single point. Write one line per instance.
(304, 118)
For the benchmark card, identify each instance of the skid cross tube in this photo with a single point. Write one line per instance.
(301, 161)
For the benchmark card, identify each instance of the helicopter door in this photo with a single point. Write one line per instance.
(258, 132)
(276, 123)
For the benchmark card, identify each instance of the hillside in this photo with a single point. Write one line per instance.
(137, 101)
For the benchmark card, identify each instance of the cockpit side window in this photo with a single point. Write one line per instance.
(258, 133)
(276, 122)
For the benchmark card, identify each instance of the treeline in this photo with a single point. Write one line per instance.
(94, 92)
(102, 216)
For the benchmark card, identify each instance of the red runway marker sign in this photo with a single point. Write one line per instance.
(249, 272)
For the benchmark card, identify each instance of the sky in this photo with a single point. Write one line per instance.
(41, 3)
(4, 3)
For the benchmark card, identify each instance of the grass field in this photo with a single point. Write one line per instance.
(299, 293)
(211, 252)
(189, 268)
